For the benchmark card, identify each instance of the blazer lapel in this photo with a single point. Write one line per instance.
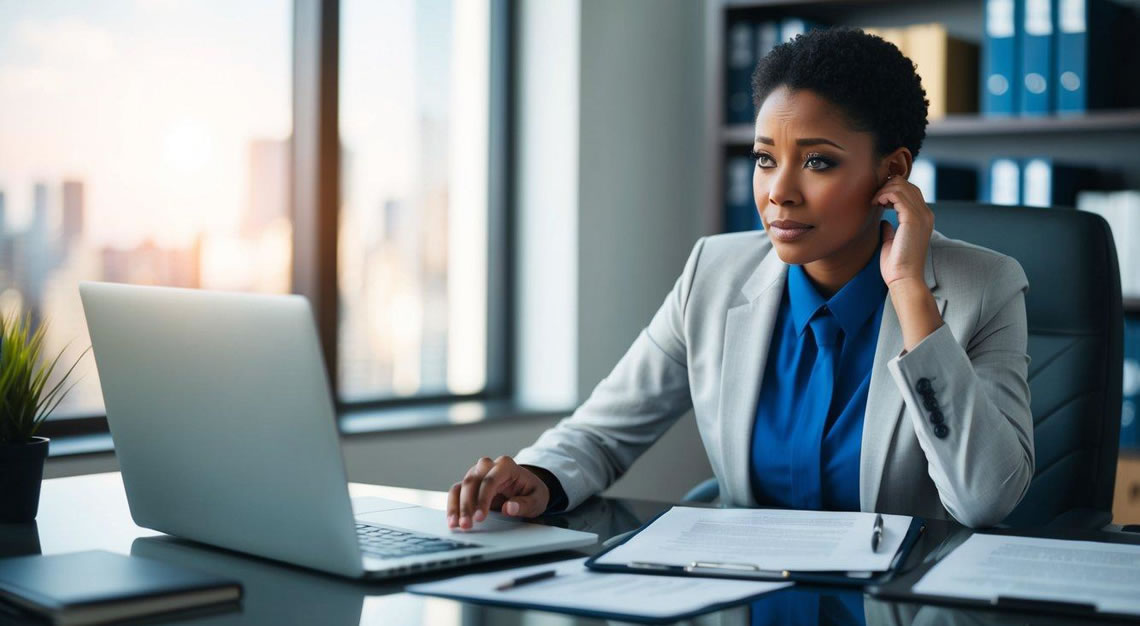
(747, 335)
(884, 402)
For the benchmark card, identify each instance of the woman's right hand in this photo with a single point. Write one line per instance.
(495, 485)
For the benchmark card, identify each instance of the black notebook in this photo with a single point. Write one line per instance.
(97, 586)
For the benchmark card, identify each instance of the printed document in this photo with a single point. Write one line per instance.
(984, 567)
(764, 539)
(575, 587)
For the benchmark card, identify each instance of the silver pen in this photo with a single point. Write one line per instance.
(876, 532)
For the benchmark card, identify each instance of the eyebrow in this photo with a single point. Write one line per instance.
(806, 141)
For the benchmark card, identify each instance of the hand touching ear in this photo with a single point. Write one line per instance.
(903, 260)
(904, 249)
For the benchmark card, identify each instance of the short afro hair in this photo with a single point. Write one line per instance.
(868, 78)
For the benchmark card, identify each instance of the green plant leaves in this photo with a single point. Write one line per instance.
(25, 399)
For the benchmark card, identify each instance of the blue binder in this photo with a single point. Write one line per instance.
(1000, 73)
(1075, 76)
(767, 37)
(940, 181)
(739, 63)
(739, 206)
(792, 26)
(1093, 40)
(1002, 182)
(1037, 57)
(1130, 412)
(1046, 183)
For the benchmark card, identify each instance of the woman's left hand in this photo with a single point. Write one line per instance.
(903, 254)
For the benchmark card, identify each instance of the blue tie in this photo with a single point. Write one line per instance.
(811, 422)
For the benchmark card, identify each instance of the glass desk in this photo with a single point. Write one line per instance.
(90, 512)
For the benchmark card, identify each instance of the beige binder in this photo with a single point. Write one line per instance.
(948, 67)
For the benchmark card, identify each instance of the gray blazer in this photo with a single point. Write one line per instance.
(706, 349)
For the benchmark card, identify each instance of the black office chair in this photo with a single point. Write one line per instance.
(1075, 318)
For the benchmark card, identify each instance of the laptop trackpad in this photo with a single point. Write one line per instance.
(372, 505)
(496, 528)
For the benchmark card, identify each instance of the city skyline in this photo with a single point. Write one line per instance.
(44, 261)
(124, 156)
(128, 96)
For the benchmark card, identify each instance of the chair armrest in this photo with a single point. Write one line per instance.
(707, 491)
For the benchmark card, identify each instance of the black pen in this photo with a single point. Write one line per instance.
(526, 580)
(876, 532)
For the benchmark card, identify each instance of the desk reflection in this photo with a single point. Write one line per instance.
(272, 592)
(277, 593)
(19, 539)
(606, 517)
(810, 607)
(90, 512)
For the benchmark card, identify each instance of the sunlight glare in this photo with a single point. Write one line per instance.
(187, 146)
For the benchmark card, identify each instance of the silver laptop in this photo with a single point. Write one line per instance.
(224, 428)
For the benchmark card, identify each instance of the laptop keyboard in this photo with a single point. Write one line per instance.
(390, 543)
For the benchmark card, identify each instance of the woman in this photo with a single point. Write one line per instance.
(832, 361)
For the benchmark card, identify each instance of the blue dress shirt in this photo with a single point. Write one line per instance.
(825, 474)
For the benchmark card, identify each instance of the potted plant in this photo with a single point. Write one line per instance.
(25, 402)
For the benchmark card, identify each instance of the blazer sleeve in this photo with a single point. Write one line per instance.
(629, 409)
(982, 460)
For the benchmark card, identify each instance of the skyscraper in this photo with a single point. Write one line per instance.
(38, 250)
(268, 184)
(39, 208)
(72, 225)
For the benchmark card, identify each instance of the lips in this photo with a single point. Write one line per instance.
(788, 230)
(788, 224)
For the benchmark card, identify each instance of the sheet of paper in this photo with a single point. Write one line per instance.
(769, 539)
(984, 567)
(575, 587)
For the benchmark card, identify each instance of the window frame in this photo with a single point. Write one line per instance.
(315, 200)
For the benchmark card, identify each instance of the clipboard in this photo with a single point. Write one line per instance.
(900, 588)
(748, 572)
(605, 614)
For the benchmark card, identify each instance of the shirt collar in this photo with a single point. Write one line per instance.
(852, 305)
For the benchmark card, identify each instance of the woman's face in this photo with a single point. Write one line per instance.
(814, 179)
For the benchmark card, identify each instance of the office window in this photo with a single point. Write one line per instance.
(413, 233)
(143, 142)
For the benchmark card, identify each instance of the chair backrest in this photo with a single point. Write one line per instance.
(1073, 308)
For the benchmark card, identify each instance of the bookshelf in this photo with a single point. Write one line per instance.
(1106, 139)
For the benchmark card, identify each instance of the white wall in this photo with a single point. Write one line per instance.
(641, 167)
(641, 190)
(609, 185)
